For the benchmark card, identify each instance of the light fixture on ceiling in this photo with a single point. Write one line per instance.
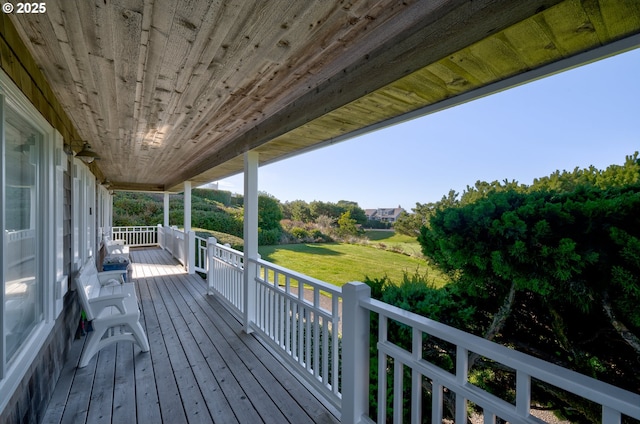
(86, 154)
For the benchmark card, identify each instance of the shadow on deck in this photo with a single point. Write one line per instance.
(201, 367)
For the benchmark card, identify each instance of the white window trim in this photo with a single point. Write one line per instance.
(62, 280)
(84, 213)
(12, 374)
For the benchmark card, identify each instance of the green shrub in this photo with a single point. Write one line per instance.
(416, 293)
(268, 237)
(299, 233)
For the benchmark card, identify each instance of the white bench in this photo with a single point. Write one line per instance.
(112, 308)
(116, 247)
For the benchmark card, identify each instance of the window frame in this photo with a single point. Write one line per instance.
(13, 371)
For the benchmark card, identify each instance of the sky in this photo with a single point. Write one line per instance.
(585, 116)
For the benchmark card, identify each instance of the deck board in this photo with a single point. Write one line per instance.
(201, 367)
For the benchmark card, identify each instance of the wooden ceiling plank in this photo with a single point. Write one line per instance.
(505, 58)
(193, 59)
(126, 32)
(57, 84)
(101, 61)
(532, 42)
(45, 30)
(141, 62)
(470, 66)
(424, 85)
(213, 50)
(253, 118)
(593, 11)
(621, 18)
(162, 14)
(284, 90)
(79, 35)
(251, 87)
(402, 99)
(569, 27)
(200, 90)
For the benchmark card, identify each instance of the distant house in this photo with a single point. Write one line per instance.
(384, 214)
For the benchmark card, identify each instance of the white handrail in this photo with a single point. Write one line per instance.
(614, 401)
(178, 249)
(20, 235)
(225, 275)
(299, 316)
(136, 236)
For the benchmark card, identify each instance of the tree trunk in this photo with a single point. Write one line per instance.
(558, 327)
(622, 330)
(498, 322)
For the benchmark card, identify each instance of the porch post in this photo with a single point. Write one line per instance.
(189, 237)
(187, 206)
(166, 210)
(190, 251)
(110, 214)
(250, 237)
(355, 353)
(211, 250)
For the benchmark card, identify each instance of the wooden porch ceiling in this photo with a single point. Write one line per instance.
(169, 91)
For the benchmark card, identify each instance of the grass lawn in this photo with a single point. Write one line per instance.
(399, 242)
(338, 263)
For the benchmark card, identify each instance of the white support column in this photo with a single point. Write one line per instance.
(187, 206)
(211, 249)
(188, 245)
(250, 237)
(190, 251)
(110, 214)
(355, 353)
(166, 210)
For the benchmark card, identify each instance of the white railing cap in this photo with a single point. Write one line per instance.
(305, 279)
(589, 388)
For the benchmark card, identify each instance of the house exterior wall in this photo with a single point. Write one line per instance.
(29, 401)
(25, 392)
(384, 214)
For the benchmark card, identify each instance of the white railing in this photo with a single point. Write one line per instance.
(136, 236)
(322, 332)
(20, 235)
(174, 243)
(20, 247)
(182, 246)
(161, 236)
(299, 316)
(296, 315)
(225, 275)
(393, 360)
(200, 254)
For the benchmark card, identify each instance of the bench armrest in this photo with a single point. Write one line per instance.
(101, 302)
(105, 276)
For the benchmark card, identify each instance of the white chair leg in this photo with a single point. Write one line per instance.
(91, 346)
(140, 336)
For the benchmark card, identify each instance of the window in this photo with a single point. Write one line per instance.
(84, 205)
(27, 252)
(23, 307)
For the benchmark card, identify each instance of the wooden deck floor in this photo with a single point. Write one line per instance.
(201, 368)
